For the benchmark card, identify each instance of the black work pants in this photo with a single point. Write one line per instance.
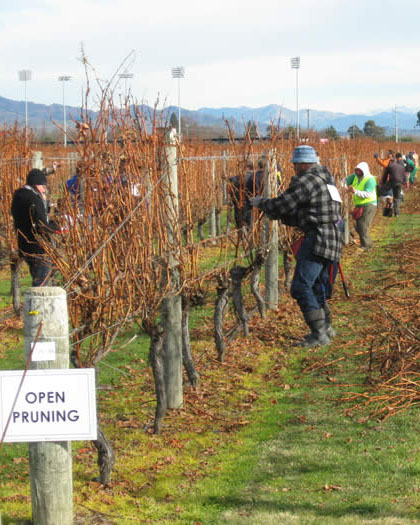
(396, 194)
(39, 268)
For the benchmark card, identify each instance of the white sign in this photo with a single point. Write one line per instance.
(53, 405)
(334, 193)
(43, 351)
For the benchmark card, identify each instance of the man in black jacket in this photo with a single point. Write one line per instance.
(30, 215)
(394, 178)
(240, 189)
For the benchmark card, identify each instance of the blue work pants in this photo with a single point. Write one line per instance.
(311, 274)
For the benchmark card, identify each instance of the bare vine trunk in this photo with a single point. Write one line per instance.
(193, 375)
(255, 289)
(287, 266)
(201, 223)
(237, 275)
(15, 264)
(186, 229)
(229, 218)
(156, 355)
(106, 457)
(218, 222)
(222, 302)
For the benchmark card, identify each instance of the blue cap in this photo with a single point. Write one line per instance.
(304, 155)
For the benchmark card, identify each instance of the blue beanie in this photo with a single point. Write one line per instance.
(304, 155)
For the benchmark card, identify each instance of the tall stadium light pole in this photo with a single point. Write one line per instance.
(25, 75)
(295, 63)
(178, 72)
(63, 79)
(126, 76)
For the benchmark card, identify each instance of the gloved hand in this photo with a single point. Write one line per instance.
(255, 201)
(375, 155)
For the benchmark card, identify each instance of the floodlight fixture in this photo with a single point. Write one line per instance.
(295, 63)
(126, 75)
(25, 75)
(178, 72)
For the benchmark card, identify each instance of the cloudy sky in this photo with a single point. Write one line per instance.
(356, 55)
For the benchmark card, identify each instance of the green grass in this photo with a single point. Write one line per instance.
(323, 466)
(298, 459)
(5, 285)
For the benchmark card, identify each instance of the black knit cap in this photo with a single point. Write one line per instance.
(36, 177)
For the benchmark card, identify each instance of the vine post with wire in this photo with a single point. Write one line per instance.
(346, 216)
(37, 160)
(271, 238)
(172, 306)
(50, 462)
(212, 220)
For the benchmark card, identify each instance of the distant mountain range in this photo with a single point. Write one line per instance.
(318, 120)
(41, 116)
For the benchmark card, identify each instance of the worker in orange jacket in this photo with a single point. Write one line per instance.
(384, 162)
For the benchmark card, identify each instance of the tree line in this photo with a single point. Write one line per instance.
(370, 129)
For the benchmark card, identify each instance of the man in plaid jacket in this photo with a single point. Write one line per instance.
(313, 204)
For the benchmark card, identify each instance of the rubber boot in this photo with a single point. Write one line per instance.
(315, 319)
(329, 329)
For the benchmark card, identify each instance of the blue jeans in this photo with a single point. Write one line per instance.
(311, 274)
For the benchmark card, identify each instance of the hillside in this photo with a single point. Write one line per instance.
(42, 116)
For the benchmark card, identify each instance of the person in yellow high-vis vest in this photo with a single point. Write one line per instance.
(362, 184)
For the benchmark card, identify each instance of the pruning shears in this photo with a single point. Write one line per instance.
(346, 289)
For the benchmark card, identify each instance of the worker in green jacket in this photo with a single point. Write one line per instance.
(362, 184)
(411, 168)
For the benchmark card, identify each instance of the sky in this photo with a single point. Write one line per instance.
(356, 56)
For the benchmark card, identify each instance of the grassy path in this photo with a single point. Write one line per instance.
(265, 439)
(323, 466)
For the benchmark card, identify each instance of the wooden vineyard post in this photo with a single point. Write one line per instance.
(224, 179)
(225, 191)
(346, 217)
(219, 201)
(50, 462)
(172, 306)
(212, 222)
(73, 157)
(271, 238)
(37, 160)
